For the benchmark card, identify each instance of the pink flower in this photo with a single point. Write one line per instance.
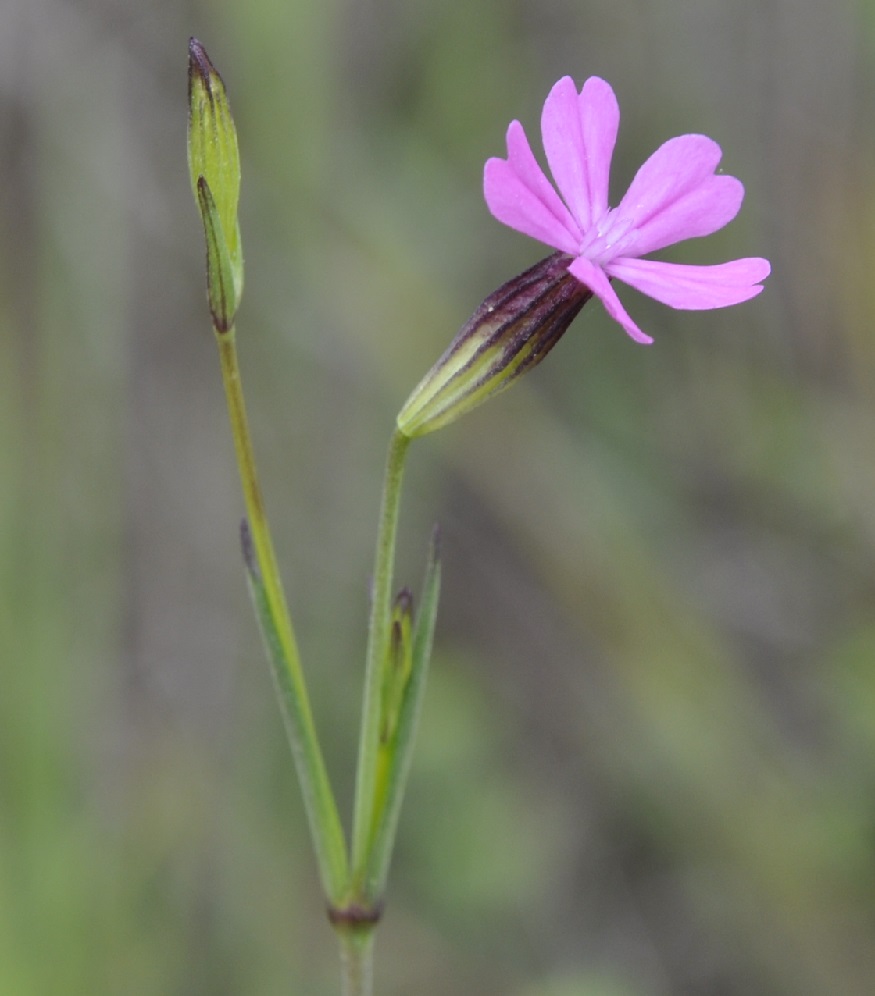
(675, 195)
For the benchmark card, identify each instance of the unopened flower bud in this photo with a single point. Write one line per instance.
(511, 332)
(399, 663)
(214, 166)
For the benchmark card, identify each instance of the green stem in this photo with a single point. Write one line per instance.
(378, 643)
(319, 801)
(357, 962)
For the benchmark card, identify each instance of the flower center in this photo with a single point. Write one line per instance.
(608, 238)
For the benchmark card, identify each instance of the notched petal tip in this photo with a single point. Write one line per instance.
(519, 195)
(694, 288)
(595, 85)
(759, 268)
(515, 133)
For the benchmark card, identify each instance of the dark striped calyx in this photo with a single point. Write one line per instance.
(510, 333)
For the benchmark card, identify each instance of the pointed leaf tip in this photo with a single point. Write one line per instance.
(436, 541)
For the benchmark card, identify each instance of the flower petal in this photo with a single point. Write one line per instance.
(579, 132)
(594, 277)
(693, 288)
(520, 196)
(675, 196)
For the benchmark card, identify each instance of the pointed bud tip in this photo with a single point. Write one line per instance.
(199, 61)
(404, 601)
(202, 74)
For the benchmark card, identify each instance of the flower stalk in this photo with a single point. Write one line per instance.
(377, 660)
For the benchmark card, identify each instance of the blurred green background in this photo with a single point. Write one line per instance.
(647, 761)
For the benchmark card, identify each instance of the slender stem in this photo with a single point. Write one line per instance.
(357, 962)
(319, 802)
(378, 642)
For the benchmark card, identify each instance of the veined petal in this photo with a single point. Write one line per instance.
(594, 277)
(520, 196)
(675, 195)
(693, 288)
(579, 132)
(600, 114)
(701, 211)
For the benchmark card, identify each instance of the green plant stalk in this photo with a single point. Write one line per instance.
(319, 802)
(364, 816)
(357, 962)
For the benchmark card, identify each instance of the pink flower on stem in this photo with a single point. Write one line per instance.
(675, 195)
